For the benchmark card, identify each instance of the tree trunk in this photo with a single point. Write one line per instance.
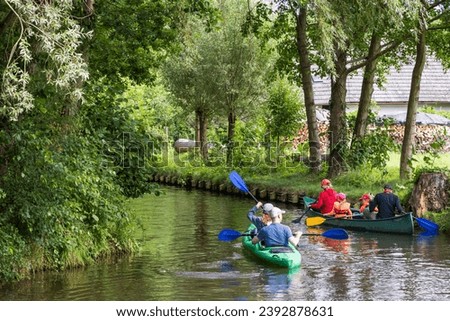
(231, 130)
(305, 71)
(430, 193)
(200, 133)
(410, 125)
(338, 123)
(366, 90)
(203, 137)
(197, 129)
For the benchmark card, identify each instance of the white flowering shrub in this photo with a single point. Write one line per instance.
(44, 29)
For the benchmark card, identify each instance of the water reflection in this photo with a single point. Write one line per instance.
(182, 260)
(277, 282)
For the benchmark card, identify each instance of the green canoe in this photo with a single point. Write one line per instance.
(288, 257)
(401, 224)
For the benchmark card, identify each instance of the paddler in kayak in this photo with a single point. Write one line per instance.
(276, 234)
(258, 221)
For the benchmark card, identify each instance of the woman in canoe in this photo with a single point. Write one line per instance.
(326, 199)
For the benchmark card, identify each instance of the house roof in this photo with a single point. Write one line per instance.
(434, 88)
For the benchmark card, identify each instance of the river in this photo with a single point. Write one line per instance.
(181, 259)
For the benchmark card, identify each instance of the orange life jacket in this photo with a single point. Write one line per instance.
(342, 209)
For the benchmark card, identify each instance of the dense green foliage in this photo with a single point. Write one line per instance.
(285, 112)
(61, 199)
(138, 35)
(73, 147)
(373, 149)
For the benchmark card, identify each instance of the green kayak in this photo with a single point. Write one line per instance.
(288, 257)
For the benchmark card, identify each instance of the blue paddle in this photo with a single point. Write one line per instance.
(239, 183)
(428, 226)
(227, 235)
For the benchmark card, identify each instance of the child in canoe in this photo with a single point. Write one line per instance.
(342, 208)
(365, 200)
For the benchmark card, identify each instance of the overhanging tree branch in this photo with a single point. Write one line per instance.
(386, 48)
(439, 28)
(439, 16)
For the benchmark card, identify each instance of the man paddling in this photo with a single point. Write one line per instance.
(260, 222)
(277, 234)
(387, 202)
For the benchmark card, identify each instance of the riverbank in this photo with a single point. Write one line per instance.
(260, 191)
(289, 186)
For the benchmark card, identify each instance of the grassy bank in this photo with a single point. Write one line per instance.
(297, 177)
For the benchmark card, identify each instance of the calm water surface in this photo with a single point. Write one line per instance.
(181, 259)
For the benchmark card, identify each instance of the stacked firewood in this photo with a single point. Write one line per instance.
(425, 136)
(302, 136)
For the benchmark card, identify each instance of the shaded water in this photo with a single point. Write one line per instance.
(181, 259)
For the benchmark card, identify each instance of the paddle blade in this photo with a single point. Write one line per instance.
(428, 226)
(238, 182)
(227, 235)
(336, 233)
(308, 201)
(313, 221)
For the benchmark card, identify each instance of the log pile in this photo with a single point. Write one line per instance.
(302, 136)
(425, 136)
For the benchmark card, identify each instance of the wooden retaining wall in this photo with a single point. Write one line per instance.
(261, 193)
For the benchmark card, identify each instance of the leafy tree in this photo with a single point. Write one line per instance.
(240, 70)
(284, 112)
(138, 35)
(334, 37)
(189, 80)
(372, 150)
(220, 73)
(350, 54)
(290, 28)
(153, 107)
(63, 180)
(434, 16)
